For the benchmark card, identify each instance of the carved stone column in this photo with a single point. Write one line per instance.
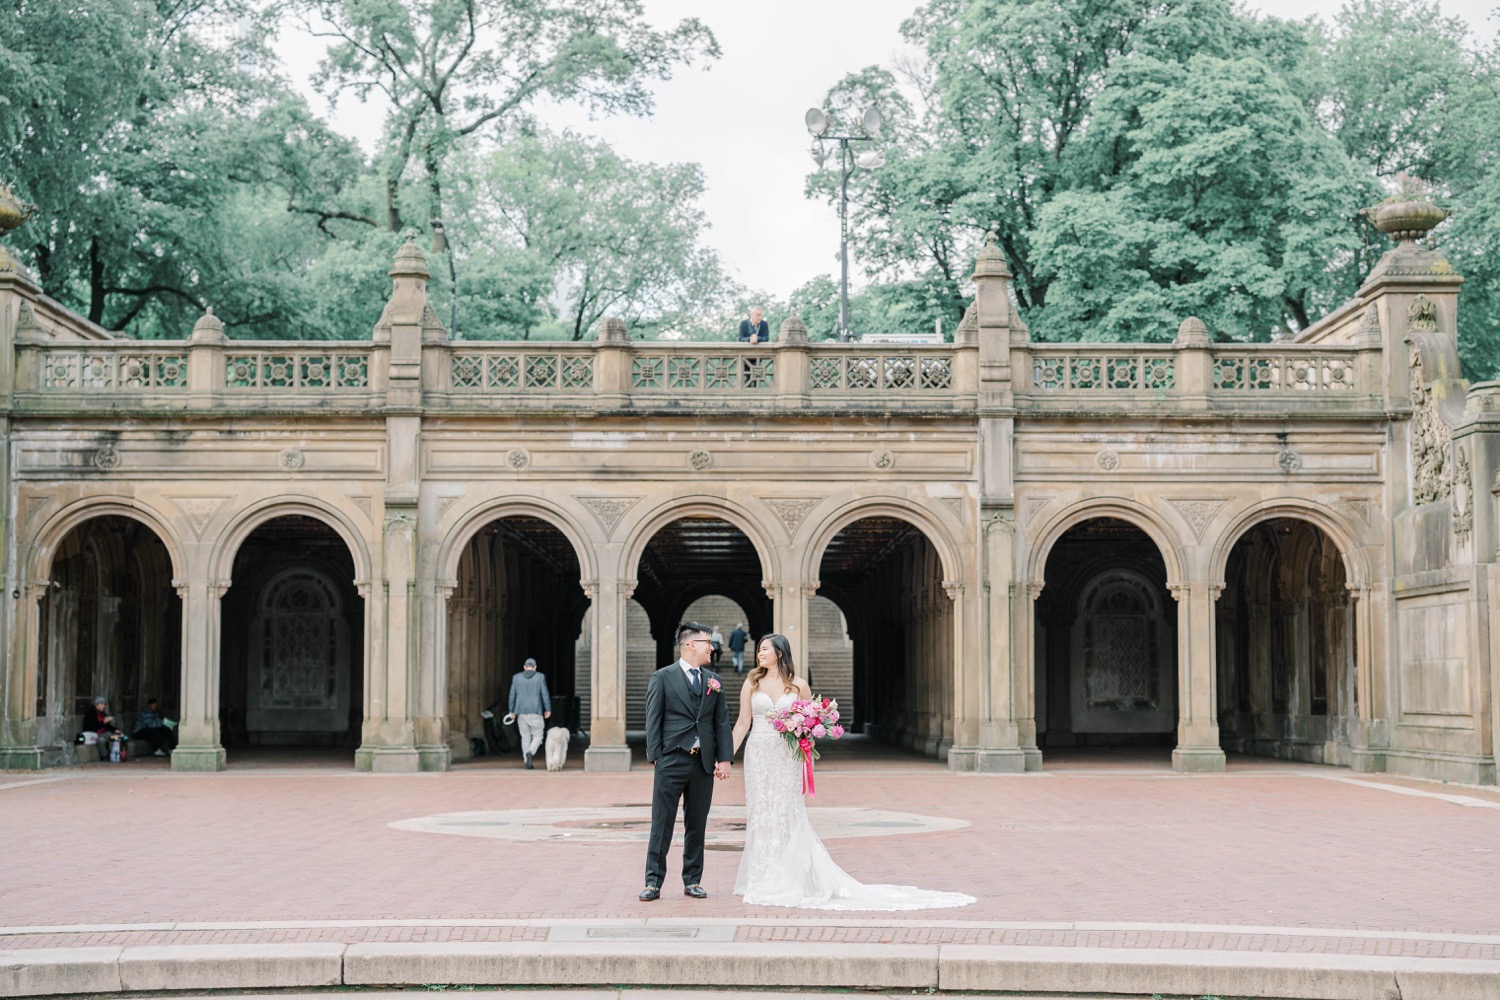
(790, 599)
(1368, 736)
(18, 736)
(607, 750)
(389, 736)
(199, 743)
(1197, 722)
(434, 752)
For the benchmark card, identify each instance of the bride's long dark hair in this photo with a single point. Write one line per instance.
(784, 665)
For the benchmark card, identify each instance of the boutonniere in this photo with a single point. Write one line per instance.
(712, 686)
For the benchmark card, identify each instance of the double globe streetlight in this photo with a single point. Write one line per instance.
(817, 126)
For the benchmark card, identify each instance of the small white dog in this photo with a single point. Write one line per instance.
(557, 747)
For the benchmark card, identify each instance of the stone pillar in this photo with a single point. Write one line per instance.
(1368, 738)
(607, 750)
(18, 735)
(1197, 722)
(612, 361)
(206, 361)
(791, 353)
(199, 743)
(433, 740)
(1195, 377)
(789, 600)
(390, 736)
(996, 746)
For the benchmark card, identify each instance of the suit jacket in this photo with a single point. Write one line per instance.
(674, 716)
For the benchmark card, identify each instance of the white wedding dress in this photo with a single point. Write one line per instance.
(785, 864)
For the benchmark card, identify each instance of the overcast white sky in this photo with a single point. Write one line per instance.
(741, 117)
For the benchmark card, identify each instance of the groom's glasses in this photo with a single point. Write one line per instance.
(709, 641)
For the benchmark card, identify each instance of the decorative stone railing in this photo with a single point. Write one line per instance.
(857, 369)
(539, 368)
(330, 367)
(654, 376)
(1219, 373)
(114, 367)
(1294, 369)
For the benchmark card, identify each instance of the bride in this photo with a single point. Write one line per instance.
(785, 864)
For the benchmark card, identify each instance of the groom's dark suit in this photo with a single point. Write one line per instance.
(675, 718)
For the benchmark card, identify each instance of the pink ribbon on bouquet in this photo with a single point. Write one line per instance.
(805, 745)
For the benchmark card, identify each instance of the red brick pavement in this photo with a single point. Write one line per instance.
(1108, 840)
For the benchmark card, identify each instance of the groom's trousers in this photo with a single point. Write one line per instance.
(679, 778)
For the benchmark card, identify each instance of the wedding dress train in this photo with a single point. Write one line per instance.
(784, 863)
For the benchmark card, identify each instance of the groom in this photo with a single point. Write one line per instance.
(689, 740)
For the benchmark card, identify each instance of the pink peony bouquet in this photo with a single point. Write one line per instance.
(802, 723)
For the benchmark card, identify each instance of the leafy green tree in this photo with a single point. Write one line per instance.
(163, 168)
(576, 231)
(451, 69)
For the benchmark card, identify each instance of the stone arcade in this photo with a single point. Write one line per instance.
(1283, 549)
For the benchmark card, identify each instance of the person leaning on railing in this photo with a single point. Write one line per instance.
(755, 330)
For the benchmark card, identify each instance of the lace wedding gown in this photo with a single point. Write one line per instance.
(785, 864)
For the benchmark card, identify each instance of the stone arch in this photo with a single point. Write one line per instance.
(1356, 566)
(1120, 509)
(927, 521)
(457, 538)
(699, 505)
(51, 534)
(243, 524)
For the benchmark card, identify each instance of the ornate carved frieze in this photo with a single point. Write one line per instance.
(701, 460)
(1109, 461)
(291, 459)
(1198, 511)
(199, 510)
(791, 511)
(1289, 461)
(107, 458)
(518, 459)
(608, 510)
(1463, 497)
(1431, 439)
(882, 459)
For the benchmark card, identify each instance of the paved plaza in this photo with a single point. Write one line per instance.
(1103, 850)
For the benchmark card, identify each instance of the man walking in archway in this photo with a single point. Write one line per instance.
(532, 706)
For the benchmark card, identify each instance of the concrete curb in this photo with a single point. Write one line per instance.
(758, 965)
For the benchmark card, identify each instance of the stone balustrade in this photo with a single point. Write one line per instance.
(655, 375)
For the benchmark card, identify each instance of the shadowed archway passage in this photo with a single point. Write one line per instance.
(518, 596)
(1106, 641)
(885, 576)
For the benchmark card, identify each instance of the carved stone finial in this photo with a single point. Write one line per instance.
(991, 260)
(1368, 334)
(614, 331)
(410, 260)
(793, 331)
(208, 329)
(1193, 333)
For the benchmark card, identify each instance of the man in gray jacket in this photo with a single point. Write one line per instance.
(530, 704)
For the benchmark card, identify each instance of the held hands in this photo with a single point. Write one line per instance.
(721, 769)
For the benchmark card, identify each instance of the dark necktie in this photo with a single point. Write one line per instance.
(697, 683)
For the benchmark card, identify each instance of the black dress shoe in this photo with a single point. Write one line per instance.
(696, 891)
(650, 892)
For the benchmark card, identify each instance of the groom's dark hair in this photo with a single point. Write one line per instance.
(688, 628)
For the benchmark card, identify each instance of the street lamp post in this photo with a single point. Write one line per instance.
(817, 125)
(441, 245)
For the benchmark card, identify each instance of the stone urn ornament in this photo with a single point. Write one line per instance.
(13, 211)
(1408, 215)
